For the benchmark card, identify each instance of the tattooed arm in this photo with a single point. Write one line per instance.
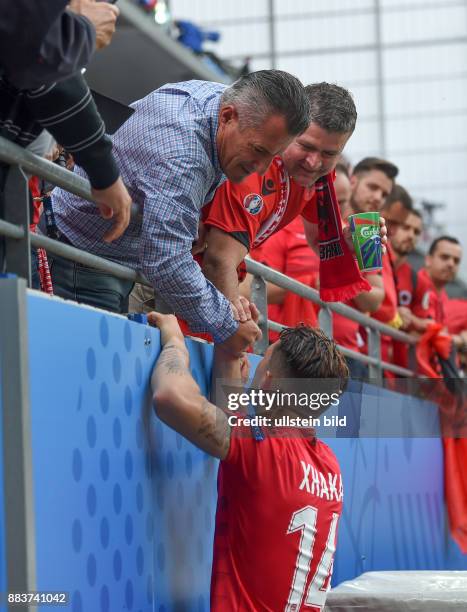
(177, 397)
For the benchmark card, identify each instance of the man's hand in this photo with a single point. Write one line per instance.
(168, 326)
(247, 334)
(114, 203)
(406, 316)
(102, 15)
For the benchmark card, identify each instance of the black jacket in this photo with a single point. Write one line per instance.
(42, 48)
(41, 42)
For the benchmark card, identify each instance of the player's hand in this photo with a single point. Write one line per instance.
(102, 15)
(114, 203)
(168, 326)
(246, 335)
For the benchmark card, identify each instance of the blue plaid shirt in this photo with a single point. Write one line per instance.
(168, 159)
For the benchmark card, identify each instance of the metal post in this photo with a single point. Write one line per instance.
(325, 321)
(20, 548)
(380, 80)
(16, 195)
(272, 35)
(259, 296)
(374, 350)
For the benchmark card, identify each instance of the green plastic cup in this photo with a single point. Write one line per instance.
(366, 238)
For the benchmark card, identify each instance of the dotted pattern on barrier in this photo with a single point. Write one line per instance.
(125, 507)
(114, 487)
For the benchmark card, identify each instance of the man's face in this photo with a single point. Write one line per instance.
(406, 235)
(369, 191)
(343, 192)
(245, 150)
(442, 266)
(313, 154)
(395, 215)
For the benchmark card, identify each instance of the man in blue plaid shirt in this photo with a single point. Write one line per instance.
(181, 143)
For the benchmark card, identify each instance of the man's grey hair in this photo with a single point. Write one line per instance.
(261, 94)
(332, 107)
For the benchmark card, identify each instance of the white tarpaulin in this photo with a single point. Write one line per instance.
(407, 591)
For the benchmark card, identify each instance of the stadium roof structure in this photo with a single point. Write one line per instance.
(141, 58)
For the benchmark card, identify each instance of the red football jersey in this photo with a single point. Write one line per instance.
(260, 205)
(427, 302)
(289, 252)
(276, 525)
(404, 283)
(346, 332)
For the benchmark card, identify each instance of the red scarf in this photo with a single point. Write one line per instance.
(339, 277)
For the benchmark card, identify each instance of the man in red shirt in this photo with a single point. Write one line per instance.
(372, 181)
(397, 207)
(289, 252)
(279, 492)
(441, 266)
(430, 300)
(403, 240)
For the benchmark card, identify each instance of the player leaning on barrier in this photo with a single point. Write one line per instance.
(279, 492)
(181, 143)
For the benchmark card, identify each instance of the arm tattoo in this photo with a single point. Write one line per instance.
(214, 427)
(173, 360)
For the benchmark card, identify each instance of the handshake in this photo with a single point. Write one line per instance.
(247, 334)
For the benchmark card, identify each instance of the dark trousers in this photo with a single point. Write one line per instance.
(73, 281)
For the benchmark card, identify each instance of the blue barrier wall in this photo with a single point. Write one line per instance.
(125, 507)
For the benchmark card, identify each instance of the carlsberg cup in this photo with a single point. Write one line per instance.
(365, 228)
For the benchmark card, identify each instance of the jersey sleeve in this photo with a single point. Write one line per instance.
(228, 213)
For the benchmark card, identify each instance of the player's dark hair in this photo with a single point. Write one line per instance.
(306, 352)
(435, 243)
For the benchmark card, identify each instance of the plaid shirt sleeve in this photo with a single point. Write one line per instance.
(171, 214)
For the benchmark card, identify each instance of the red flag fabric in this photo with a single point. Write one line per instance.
(456, 315)
(455, 488)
